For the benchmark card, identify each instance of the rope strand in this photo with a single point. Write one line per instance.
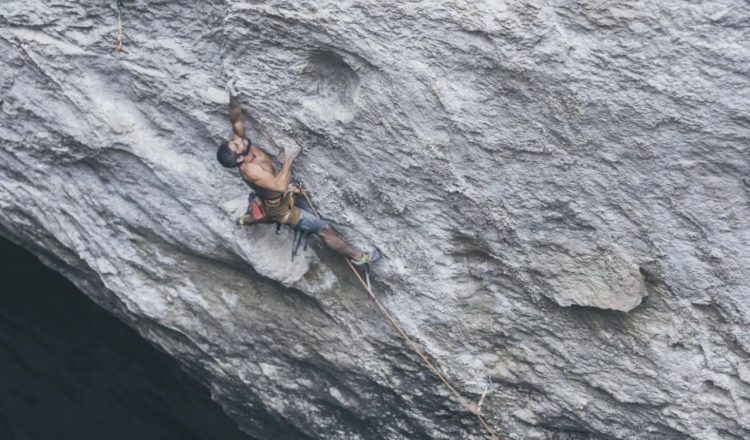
(118, 36)
(460, 398)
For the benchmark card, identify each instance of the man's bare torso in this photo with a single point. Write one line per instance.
(264, 161)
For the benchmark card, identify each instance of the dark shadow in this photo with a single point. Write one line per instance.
(70, 370)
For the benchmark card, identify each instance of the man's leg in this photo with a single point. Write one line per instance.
(316, 225)
(310, 223)
(334, 242)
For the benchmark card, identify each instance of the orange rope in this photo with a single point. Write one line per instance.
(118, 37)
(461, 399)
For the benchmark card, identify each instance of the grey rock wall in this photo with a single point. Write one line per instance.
(561, 189)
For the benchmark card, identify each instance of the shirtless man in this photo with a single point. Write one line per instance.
(272, 185)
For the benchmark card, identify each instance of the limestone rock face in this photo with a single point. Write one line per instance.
(561, 190)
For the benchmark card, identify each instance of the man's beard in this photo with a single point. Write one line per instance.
(244, 155)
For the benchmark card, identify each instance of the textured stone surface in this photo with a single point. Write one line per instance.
(560, 188)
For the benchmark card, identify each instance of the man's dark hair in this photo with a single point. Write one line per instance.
(226, 156)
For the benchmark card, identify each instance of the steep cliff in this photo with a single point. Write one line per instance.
(560, 189)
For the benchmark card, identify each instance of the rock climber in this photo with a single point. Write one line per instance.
(276, 196)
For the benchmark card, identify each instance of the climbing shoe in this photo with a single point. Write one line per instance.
(368, 257)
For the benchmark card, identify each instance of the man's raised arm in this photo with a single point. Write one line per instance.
(235, 111)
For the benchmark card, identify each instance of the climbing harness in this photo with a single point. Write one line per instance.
(259, 211)
(474, 409)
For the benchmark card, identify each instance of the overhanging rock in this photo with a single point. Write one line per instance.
(509, 158)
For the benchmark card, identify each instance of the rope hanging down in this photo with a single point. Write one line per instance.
(474, 409)
(118, 36)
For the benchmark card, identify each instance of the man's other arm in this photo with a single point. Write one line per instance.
(235, 111)
(279, 182)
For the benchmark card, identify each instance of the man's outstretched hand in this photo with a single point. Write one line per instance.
(232, 88)
(291, 151)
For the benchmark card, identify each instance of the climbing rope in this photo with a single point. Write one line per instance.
(118, 36)
(474, 409)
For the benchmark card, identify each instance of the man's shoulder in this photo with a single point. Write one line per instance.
(259, 151)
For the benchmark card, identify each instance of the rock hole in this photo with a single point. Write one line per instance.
(331, 86)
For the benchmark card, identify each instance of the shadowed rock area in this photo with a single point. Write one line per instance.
(560, 188)
(71, 371)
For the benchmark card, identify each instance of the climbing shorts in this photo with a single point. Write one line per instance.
(310, 223)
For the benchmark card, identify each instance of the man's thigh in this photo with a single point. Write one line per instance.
(308, 222)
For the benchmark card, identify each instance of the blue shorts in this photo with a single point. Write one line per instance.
(308, 222)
